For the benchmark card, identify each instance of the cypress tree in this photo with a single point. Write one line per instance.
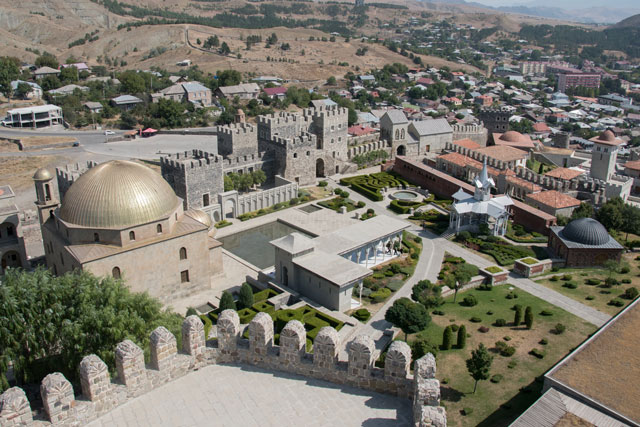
(447, 338)
(226, 302)
(517, 319)
(245, 299)
(528, 317)
(462, 336)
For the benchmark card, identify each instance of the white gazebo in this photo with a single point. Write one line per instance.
(469, 211)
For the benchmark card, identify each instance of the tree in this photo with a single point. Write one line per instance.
(528, 317)
(631, 220)
(479, 365)
(23, 90)
(245, 298)
(585, 210)
(47, 60)
(227, 302)
(50, 323)
(517, 318)
(409, 316)
(427, 294)
(447, 338)
(224, 49)
(611, 214)
(50, 82)
(228, 183)
(132, 82)
(212, 41)
(69, 75)
(258, 176)
(9, 71)
(229, 77)
(331, 81)
(245, 182)
(462, 337)
(127, 120)
(611, 266)
(463, 274)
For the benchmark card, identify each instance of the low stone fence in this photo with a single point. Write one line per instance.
(100, 394)
(528, 269)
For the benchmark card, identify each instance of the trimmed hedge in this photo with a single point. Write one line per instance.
(246, 315)
(264, 295)
(370, 185)
(362, 314)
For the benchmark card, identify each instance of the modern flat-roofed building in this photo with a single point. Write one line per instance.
(40, 116)
(571, 80)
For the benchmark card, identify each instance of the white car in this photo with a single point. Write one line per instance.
(109, 132)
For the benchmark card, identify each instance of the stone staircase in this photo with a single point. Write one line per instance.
(449, 232)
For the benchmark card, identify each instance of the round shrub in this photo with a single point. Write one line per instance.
(554, 278)
(370, 211)
(506, 338)
(593, 282)
(345, 194)
(626, 281)
(454, 327)
(483, 329)
(570, 285)
(496, 378)
(490, 313)
(500, 322)
(475, 319)
(616, 302)
(337, 191)
(559, 328)
(361, 204)
(610, 281)
(389, 273)
(544, 341)
(590, 298)
(546, 313)
(323, 184)
(631, 293)
(362, 314)
(470, 301)
(567, 277)
(438, 312)
(625, 269)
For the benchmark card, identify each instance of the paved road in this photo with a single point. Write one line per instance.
(429, 266)
(225, 395)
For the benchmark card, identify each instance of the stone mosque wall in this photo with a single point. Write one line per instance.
(100, 394)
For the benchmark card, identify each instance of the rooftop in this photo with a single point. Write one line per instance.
(554, 199)
(605, 368)
(607, 138)
(396, 116)
(633, 165)
(467, 143)
(514, 139)
(565, 173)
(432, 127)
(504, 153)
(334, 268)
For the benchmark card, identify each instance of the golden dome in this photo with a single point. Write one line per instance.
(200, 216)
(118, 194)
(42, 174)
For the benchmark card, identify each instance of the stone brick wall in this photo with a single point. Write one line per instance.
(100, 394)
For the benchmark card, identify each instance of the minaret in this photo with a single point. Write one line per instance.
(46, 195)
(483, 184)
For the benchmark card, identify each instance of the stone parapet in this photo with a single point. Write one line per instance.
(100, 394)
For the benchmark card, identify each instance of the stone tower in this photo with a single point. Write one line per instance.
(47, 199)
(496, 120)
(561, 140)
(604, 155)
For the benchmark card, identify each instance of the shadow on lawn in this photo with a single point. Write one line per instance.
(512, 409)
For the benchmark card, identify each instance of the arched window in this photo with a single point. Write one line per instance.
(47, 190)
(96, 237)
(183, 253)
(115, 272)
(159, 228)
(132, 235)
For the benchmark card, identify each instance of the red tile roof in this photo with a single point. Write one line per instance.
(564, 173)
(271, 91)
(359, 130)
(541, 127)
(634, 165)
(467, 143)
(554, 199)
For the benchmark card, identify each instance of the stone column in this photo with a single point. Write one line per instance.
(361, 356)
(228, 331)
(130, 367)
(293, 341)
(14, 408)
(260, 335)
(163, 348)
(398, 360)
(426, 390)
(95, 381)
(57, 397)
(325, 348)
(193, 339)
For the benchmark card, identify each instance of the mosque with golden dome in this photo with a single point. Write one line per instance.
(122, 219)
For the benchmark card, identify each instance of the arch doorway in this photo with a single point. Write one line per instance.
(10, 259)
(229, 209)
(401, 151)
(319, 168)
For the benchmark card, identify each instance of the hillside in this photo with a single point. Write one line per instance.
(630, 22)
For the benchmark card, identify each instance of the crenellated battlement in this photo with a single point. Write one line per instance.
(236, 129)
(280, 118)
(100, 394)
(190, 160)
(325, 112)
(301, 140)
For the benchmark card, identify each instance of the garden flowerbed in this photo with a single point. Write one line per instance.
(370, 185)
(503, 252)
(432, 220)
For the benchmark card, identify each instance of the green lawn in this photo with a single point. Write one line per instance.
(499, 404)
(337, 202)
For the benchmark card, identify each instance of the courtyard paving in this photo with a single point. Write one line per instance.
(227, 395)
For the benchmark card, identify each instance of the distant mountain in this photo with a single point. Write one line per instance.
(632, 21)
(588, 15)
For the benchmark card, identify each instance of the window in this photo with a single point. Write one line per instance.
(184, 276)
(205, 200)
(96, 237)
(183, 253)
(115, 272)
(132, 235)
(10, 230)
(295, 155)
(159, 228)
(47, 190)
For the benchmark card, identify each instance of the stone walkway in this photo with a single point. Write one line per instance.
(225, 395)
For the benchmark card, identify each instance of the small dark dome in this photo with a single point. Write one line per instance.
(587, 231)
(607, 135)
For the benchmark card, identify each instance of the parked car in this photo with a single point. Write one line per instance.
(109, 132)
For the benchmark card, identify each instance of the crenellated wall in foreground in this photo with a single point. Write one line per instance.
(100, 394)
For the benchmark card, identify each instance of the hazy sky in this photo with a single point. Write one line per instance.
(564, 3)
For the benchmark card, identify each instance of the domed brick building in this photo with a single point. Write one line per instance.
(584, 242)
(513, 139)
(122, 219)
